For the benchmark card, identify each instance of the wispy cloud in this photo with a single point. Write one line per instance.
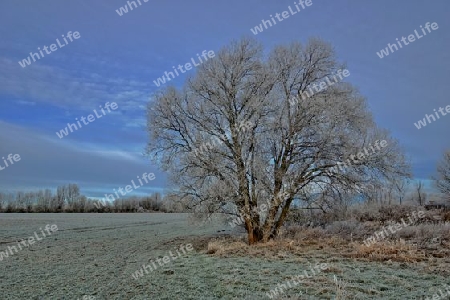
(56, 86)
(47, 161)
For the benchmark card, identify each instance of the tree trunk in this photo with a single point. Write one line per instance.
(281, 219)
(254, 233)
(250, 233)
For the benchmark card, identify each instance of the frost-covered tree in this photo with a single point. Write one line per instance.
(303, 123)
(443, 177)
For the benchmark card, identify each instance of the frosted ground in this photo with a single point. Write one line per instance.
(95, 255)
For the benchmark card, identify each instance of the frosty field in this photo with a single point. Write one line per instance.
(94, 255)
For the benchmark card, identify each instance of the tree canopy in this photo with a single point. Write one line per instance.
(293, 142)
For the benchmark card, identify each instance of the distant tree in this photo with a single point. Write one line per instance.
(61, 196)
(82, 204)
(421, 196)
(20, 201)
(54, 203)
(29, 200)
(117, 205)
(72, 197)
(443, 175)
(12, 205)
(401, 187)
(2, 201)
(46, 201)
(40, 202)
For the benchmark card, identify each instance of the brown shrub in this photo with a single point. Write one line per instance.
(446, 216)
(220, 247)
(382, 214)
(388, 250)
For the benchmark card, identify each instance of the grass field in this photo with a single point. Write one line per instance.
(94, 255)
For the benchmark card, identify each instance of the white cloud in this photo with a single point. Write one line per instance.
(44, 84)
(47, 162)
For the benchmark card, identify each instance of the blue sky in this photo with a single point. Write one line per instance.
(118, 57)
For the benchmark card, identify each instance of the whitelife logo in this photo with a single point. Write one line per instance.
(27, 61)
(442, 295)
(124, 9)
(128, 189)
(393, 228)
(423, 122)
(280, 17)
(356, 158)
(161, 261)
(411, 38)
(238, 220)
(296, 280)
(187, 66)
(30, 241)
(319, 87)
(11, 158)
(65, 132)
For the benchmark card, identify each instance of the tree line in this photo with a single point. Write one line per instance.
(68, 199)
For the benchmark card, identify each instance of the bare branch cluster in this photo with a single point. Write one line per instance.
(292, 148)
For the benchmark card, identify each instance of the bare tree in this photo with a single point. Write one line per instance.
(72, 196)
(297, 142)
(401, 187)
(2, 201)
(20, 201)
(29, 201)
(421, 196)
(61, 196)
(47, 200)
(12, 204)
(43, 201)
(82, 203)
(443, 178)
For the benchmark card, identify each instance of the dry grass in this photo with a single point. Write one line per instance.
(398, 251)
(414, 244)
(341, 287)
(221, 247)
(232, 246)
